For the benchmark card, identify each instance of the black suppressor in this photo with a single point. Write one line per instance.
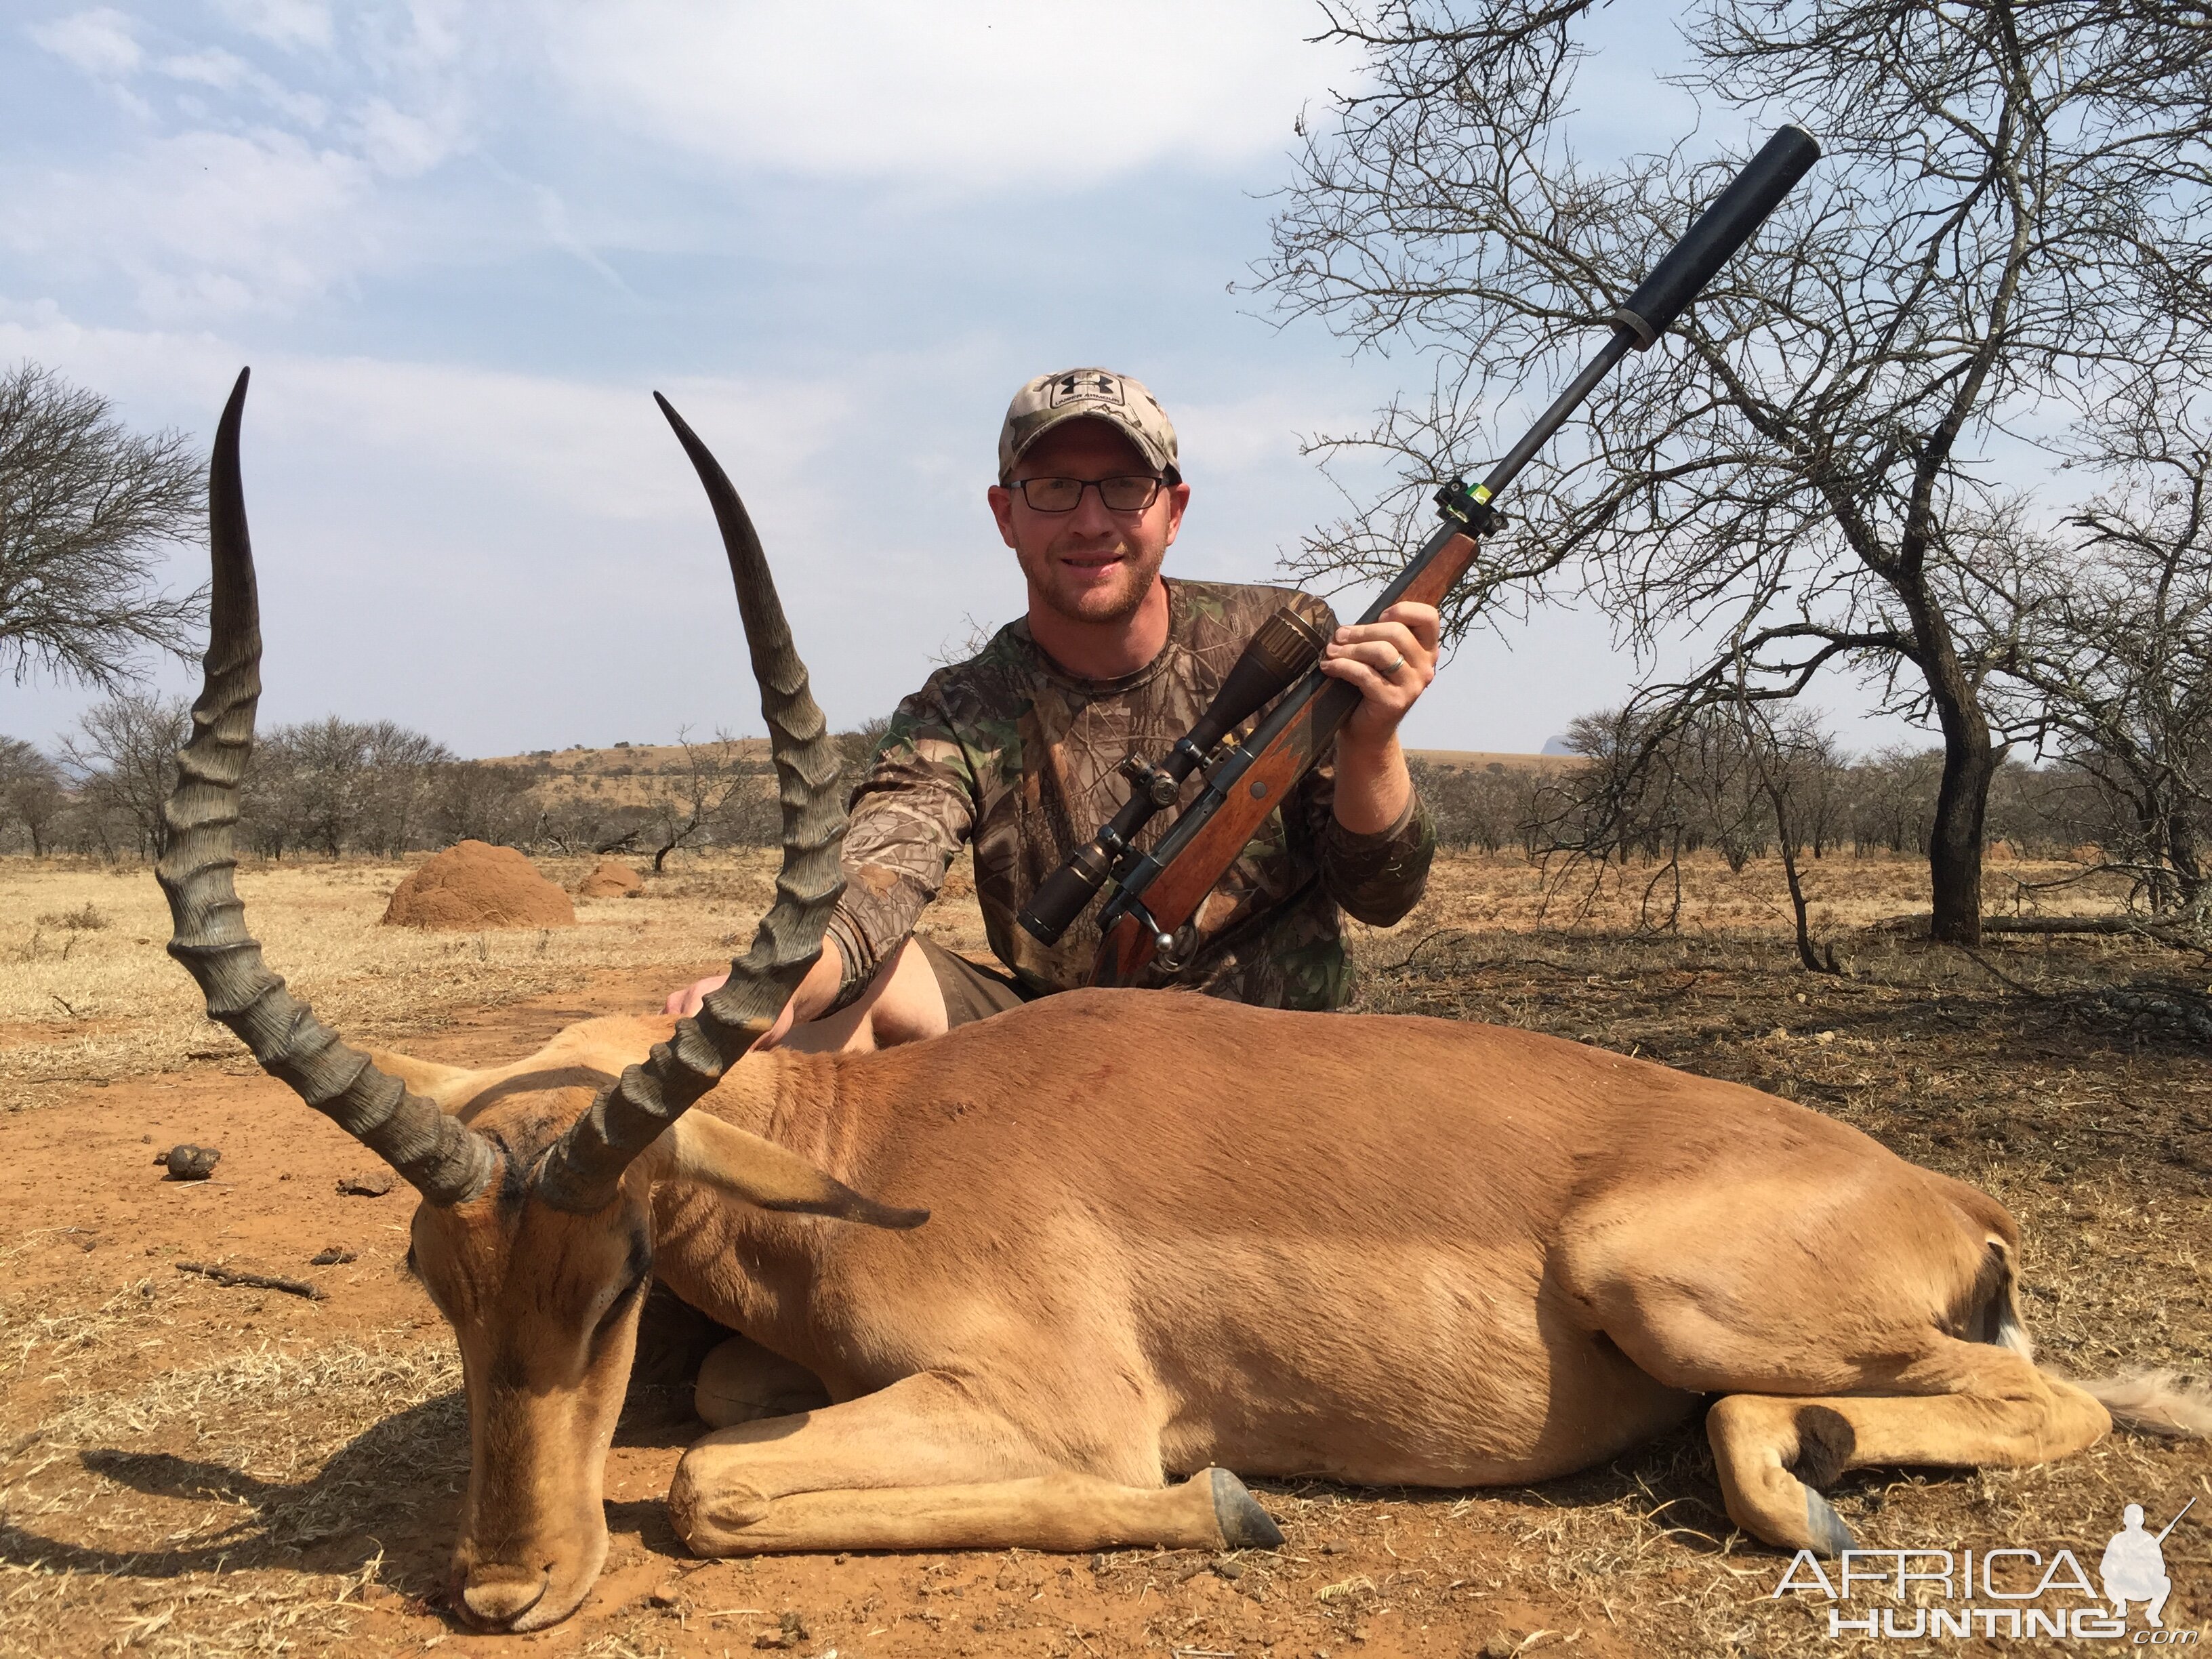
(1718, 232)
(1285, 648)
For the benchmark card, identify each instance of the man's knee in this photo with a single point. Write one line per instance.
(905, 1002)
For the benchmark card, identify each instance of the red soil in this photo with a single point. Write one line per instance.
(471, 886)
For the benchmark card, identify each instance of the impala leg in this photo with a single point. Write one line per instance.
(919, 1465)
(1998, 1411)
(739, 1380)
(1062, 1511)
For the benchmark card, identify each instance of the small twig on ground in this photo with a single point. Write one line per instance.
(1999, 973)
(1406, 961)
(252, 1281)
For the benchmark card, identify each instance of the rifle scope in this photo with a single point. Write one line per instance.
(1285, 646)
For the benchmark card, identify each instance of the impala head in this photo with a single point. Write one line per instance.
(533, 1236)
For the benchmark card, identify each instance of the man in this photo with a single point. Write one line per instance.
(1015, 749)
(2134, 1568)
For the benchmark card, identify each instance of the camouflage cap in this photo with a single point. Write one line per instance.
(1096, 393)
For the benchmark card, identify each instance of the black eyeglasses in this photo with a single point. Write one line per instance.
(1130, 494)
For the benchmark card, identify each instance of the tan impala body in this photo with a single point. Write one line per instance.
(1163, 1236)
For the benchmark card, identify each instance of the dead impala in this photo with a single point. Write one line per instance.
(1166, 1235)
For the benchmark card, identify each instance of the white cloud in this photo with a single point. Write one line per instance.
(514, 441)
(983, 94)
(255, 179)
(1258, 434)
(202, 221)
(405, 146)
(265, 179)
(288, 23)
(100, 42)
(535, 442)
(495, 555)
(224, 71)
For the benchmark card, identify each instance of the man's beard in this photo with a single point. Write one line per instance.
(1114, 601)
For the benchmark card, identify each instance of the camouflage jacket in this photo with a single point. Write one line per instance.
(1010, 752)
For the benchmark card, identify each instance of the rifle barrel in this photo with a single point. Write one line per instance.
(2176, 1521)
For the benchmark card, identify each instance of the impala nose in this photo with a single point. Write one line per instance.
(495, 1594)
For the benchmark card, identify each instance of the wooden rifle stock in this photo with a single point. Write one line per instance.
(1250, 783)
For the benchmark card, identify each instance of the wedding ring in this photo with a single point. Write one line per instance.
(1390, 669)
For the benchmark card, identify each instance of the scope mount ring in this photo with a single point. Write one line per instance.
(1461, 501)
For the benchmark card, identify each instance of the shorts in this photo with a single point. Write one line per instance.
(971, 991)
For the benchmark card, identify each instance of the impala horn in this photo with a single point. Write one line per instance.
(446, 1162)
(583, 1169)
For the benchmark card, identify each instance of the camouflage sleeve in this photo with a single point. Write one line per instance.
(1374, 878)
(910, 815)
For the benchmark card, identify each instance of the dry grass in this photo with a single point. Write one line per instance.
(197, 1513)
(1504, 892)
(81, 1005)
(193, 1471)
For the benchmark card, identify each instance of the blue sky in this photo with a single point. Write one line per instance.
(460, 245)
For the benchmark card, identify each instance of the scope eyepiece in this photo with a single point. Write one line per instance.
(1064, 894)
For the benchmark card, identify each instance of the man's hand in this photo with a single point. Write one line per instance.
(810, 1002)
(685, 1003)
(1391, 660)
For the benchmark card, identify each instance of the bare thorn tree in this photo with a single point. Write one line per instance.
(124, 759)
(87, 506)
(2009, 221)
(31, 792)
(2120, 671)
(714, 784)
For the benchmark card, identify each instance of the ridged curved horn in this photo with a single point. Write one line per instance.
(445, 1160)
(581, 1171)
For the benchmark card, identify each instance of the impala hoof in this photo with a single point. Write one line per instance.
(1244, 1524)
(709, 1518)
(1831, 1536)
(494, 1595)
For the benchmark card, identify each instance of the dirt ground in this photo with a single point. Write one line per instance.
(196, 1469)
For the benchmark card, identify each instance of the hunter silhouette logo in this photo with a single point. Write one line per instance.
(2134, 1567)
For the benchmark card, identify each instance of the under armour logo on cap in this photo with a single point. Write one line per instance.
(1087, 393)
(1092, 384)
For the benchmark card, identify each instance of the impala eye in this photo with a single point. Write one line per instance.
(617, 1307)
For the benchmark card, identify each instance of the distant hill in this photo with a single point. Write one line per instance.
(617, 776)
(622, 775)
(1482, 760)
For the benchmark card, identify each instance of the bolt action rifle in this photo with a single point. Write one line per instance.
(1154, 894)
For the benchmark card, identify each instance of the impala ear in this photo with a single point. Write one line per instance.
(699, 1147)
